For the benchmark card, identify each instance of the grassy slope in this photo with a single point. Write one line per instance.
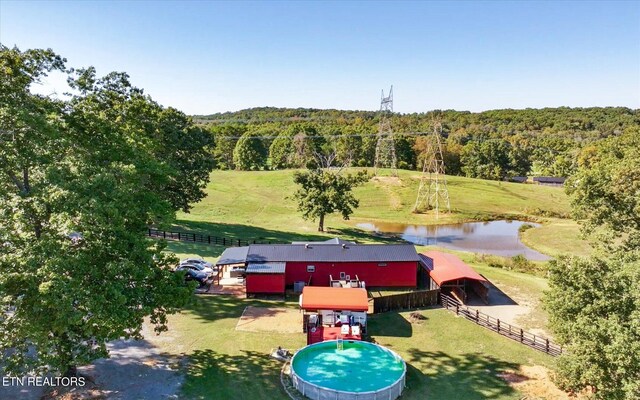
(447, 357)
(258, 205)
(559, 236)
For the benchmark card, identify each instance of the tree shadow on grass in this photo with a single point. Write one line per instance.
(250, 233)
(243, 232)
(438, 375)
(361, 236)
(389, 324)
(194, 249)
(248, 375)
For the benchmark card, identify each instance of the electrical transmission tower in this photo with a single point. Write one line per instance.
(433, 192)
(385, 146)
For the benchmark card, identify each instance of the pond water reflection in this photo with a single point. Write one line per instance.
(494, 237)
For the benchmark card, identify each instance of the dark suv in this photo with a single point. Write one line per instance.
(193, 273)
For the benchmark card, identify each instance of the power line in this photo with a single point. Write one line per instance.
(433, 183)
(385, 146)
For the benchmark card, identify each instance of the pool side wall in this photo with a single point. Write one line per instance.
(316, 392)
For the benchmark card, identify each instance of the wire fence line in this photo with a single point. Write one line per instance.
(205, 239)
(512, 332)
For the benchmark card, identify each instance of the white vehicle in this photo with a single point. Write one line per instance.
(205, 266)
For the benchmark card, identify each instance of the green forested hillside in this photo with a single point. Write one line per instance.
(493, 144)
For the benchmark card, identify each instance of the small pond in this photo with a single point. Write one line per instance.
(498, 238)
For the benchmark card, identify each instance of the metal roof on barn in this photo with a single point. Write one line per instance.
(233, 255)
(549, 179)
(332, 253)
(266, 268)
(330, 241)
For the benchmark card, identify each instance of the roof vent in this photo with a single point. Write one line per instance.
(307, 246)
(344, 246)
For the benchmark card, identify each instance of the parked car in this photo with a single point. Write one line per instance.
(206, 265)
(194, 272)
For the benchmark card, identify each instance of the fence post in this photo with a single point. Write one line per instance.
(223, 242)
(238, 242)
(521, 335)
(194, 237)
(457, 309)
(547, 347)
(477, 316)
(209, 238)
(498, 326)
(164, 234)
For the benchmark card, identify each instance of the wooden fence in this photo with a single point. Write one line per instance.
(405, 301)
(512, 332)
(204, 239)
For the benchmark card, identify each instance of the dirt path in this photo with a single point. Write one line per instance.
(534, 382)
(512, 306)
(137, 369)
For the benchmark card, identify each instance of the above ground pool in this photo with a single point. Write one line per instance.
(348, 370)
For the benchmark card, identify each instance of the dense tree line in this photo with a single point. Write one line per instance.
(594, 303)
(494, 144)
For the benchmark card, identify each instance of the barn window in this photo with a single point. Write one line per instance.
(343, 275)
(311, 268)
(382, 264)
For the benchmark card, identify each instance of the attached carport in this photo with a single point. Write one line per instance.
(450, 274)
(231, 257)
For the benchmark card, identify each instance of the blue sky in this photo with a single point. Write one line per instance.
(205, 57)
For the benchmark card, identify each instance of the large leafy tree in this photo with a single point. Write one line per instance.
(594, 311)
(250, 152)
(605, 192)
(594, 304)
(226, 136)
(323, 192)
(487, 159)
(80, 179)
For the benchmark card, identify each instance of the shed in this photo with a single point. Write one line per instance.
(265, 278)
(449, 273)
(315, 298)
(329, 307)
(518, 179)
(549, 180)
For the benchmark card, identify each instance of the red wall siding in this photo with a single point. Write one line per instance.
(265, 283)
(400, 274)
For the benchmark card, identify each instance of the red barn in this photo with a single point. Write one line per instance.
(330, 263)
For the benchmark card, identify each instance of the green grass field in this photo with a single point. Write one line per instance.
(258, 205)
(448, 357)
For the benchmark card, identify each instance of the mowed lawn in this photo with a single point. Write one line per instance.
(259, 205)
(447, 357)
